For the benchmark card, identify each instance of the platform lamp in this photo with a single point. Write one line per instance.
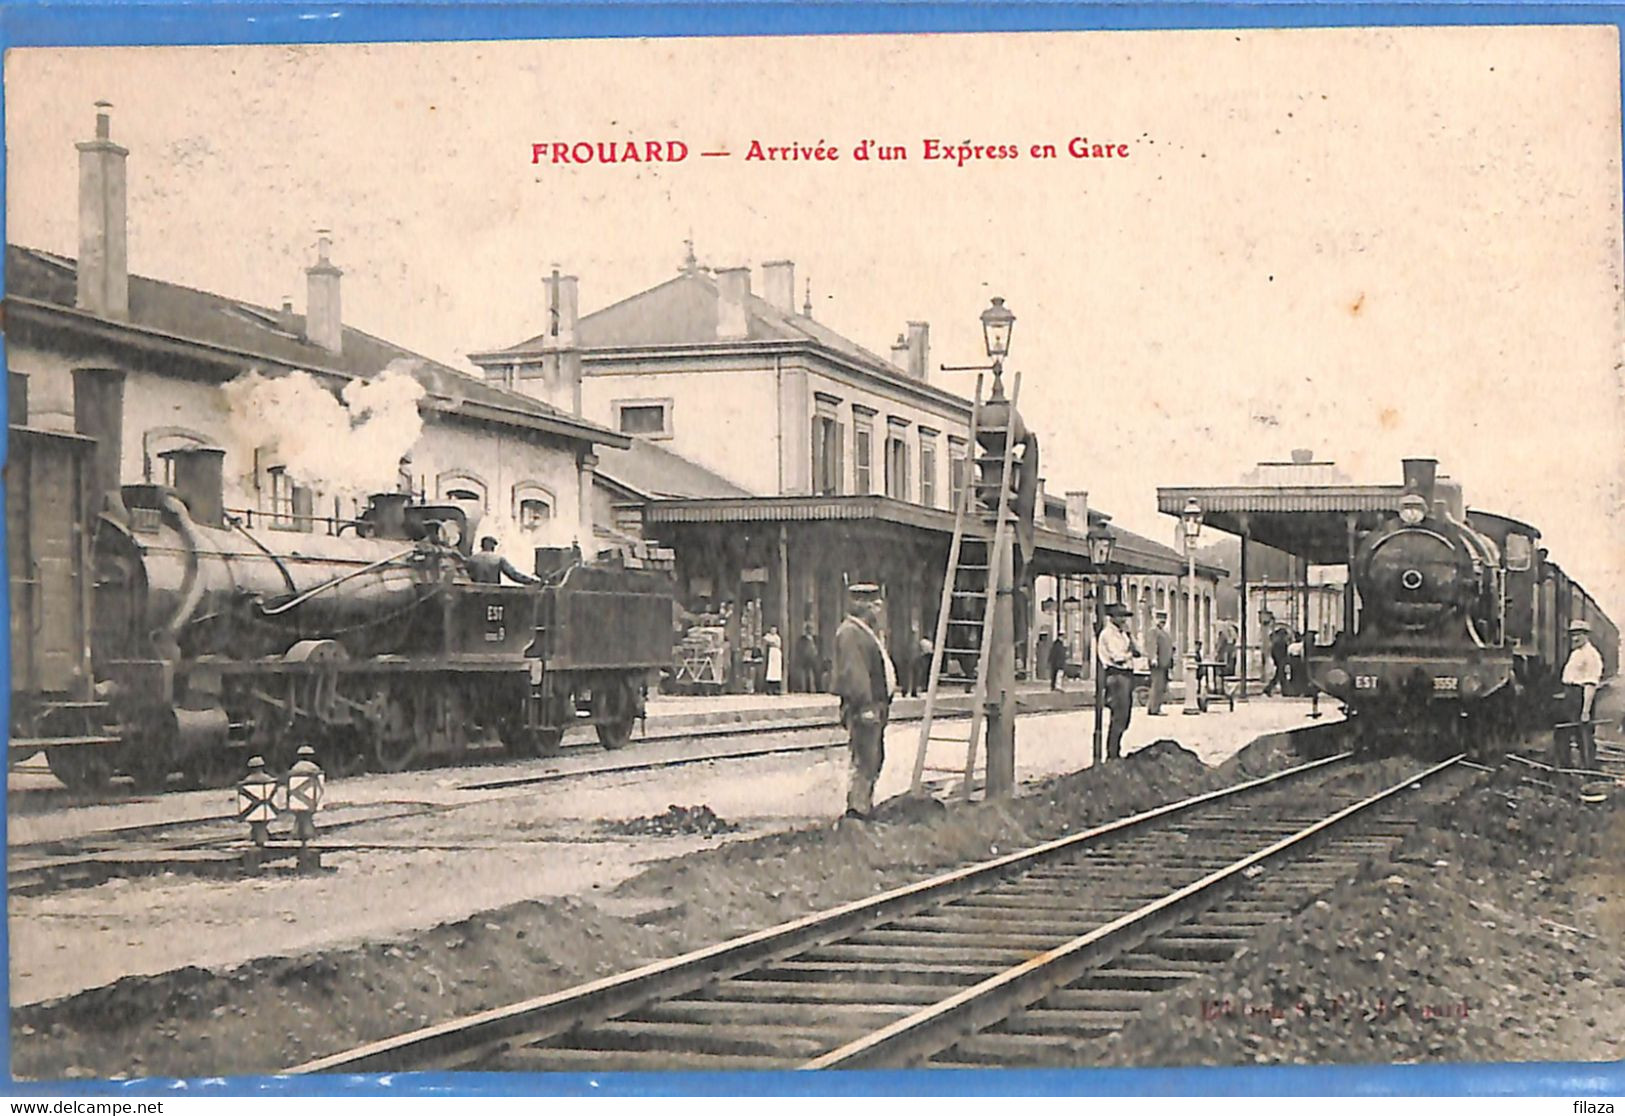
(997, 324)
(1100, 555)
(1191, 521)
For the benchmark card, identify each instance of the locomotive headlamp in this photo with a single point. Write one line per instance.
(1337, 680)
(1412, 510)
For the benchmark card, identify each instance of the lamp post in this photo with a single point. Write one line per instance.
(997, 324)
(1191, 521)
(1100, 555)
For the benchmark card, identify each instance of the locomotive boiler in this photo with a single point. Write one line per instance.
(210, 639)
(1454, 645)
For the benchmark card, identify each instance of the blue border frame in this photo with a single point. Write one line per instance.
(245, 22)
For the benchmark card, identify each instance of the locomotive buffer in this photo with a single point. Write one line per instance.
(975, 635)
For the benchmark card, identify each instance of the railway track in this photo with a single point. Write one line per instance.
(1006, 962)
(210, 842)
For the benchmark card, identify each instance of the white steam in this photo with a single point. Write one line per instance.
(345, 445)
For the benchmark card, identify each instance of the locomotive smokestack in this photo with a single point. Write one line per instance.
(200, 480)
(1420, 473)
(98, 412)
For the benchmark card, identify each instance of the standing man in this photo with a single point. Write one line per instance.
(1279, 642)
(806, 660)
(488, 567)
(1582, 674)
(1227, 651)
(1162, 662)
(1114, 654)
(865, 681)
(1057, 662)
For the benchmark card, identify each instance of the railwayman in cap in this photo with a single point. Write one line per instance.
(1161, 653)
(1115, 653)
(1582, 674)
(488, 567)
(865, 680)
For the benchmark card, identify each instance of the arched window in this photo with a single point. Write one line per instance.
(459, 484)
(533, 506)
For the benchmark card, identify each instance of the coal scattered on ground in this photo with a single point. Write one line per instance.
(1493, 936)
(698, 821)
(278, 1012)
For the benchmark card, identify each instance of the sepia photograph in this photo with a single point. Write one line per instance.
(955, 552)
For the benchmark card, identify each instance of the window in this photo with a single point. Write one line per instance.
(462, 485)
(290, 505)
(897, 486)
(928, 467)
(534, 514)
(827, 457)
(863, 451)
(956, 471)
(647, 418)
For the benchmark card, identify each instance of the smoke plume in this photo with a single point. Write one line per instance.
(345, 445)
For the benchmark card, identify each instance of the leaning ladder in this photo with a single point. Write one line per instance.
(970, 581)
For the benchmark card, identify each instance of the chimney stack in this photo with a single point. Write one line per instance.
(98, 412)
(919, 350)
(200, 481)
(1077, 512)
(733, 290)
(899, 353)
(104, 266)
(1303, 456)
(1420, 473)
(779, 285)
(324, 324)
(563, 309)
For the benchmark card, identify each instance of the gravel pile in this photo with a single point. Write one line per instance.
(697, 821)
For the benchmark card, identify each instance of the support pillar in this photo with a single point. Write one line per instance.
(1241, 652)
(586, 464)
(1348, 577)
(1001, 682)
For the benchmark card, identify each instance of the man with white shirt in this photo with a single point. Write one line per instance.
(1582, 674)
(1114, 653)
(865, 680)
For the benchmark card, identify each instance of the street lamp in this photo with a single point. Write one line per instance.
(997, 323)
(1100, 555)
(1191, 521)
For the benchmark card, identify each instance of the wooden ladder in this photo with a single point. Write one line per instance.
(979, 539)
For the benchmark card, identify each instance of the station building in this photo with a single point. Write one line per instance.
(525, 462)
(809, 461)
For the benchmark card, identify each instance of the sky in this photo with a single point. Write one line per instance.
(1369, 243)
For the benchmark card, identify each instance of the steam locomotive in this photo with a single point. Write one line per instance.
(1462, 630)
(152, 633)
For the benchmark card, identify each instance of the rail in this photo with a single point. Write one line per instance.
(465, 1040)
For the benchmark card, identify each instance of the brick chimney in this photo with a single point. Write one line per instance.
(779, 285)
(733, 289)
(1077, 512)
(104, 265)
(563, 310)
(919, 350)
(899, 353)
(324, 324)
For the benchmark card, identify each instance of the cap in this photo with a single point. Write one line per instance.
(1162, 616)
(863, 591)
(1579, 626)
(1118, 610)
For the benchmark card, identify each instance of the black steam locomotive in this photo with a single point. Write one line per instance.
(1462, 628)
(152, 633)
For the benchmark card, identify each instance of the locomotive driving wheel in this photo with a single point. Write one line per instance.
(397, 736)
(81, 767)
(613, 712)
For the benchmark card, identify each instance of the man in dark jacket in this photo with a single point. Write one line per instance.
(865, 681)
(488, 567)
(1160, 646)
(1280, 640)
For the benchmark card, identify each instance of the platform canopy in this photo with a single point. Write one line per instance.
(1316, 523)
